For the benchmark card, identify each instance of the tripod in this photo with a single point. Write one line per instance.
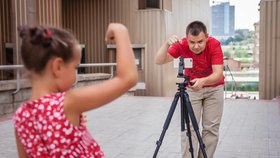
(186, 112)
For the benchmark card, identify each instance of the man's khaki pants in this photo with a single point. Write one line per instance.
(207, 104)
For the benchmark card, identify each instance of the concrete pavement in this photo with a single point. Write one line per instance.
(130, 126)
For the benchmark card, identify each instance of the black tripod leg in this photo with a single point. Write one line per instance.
(186, 120)
(167, 122)
(183, 113)
(194, 123)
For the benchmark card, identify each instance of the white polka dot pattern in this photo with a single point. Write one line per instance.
(44, 130)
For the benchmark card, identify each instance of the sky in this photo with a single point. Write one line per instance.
(246, 13)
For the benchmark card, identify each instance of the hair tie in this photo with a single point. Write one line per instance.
(48, 34)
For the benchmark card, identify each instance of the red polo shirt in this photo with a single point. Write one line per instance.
(202, 63)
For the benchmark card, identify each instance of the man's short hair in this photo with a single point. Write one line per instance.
(195, 27)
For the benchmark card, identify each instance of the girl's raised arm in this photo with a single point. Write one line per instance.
(86, 98)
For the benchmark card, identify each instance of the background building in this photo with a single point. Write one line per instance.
(150, 23)
(269, 49)
(222, 20)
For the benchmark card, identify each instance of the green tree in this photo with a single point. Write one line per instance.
(241, 53)
(226, 53)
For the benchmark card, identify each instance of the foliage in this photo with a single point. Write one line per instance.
(243, 86)
(226, 53)
(241, 53)
(239, 46)
(241, 36)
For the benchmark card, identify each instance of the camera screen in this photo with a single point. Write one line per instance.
(188, 63)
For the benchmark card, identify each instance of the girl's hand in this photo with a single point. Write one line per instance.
(84, 119)
(112, 28)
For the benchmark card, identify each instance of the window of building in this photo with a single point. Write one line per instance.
(149, 4)
(138, 50)
(138, 57)
(82, 70)
(155, 4)
(9, 60)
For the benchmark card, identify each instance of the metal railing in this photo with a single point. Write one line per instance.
(233, 86)
(18, 68)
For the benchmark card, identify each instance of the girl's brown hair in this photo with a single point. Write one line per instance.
(40, 44)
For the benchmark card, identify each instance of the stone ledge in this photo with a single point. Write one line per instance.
(25, 83)
(9, 101)
(95, 76)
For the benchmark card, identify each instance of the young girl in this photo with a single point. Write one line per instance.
(50, 124)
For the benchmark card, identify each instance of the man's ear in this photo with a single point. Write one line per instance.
(56, 66)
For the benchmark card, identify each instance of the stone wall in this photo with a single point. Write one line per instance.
(9, 100)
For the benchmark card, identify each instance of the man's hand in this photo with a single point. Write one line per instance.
(162, 55)
(197, 84)
(173, 39)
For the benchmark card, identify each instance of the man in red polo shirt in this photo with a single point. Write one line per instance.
(206, 94)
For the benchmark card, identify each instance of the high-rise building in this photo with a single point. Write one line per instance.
(222, 20)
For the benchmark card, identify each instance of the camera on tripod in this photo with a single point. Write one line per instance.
(183, 63)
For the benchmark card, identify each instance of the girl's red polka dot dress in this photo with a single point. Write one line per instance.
(44, 131)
